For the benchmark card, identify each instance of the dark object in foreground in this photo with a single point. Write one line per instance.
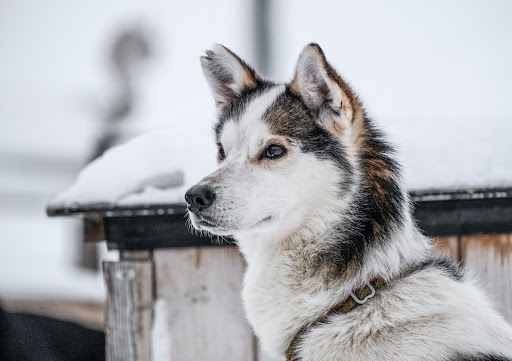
(28, 337)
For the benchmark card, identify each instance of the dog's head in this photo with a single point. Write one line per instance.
(285, 152)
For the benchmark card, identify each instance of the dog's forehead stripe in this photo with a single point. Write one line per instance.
(250, 120)
(258, 107)
(229, 134)
(238, 106)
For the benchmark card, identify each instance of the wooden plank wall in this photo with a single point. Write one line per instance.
(128, 316)
(489, 259)
(201, 290)
(205, 317)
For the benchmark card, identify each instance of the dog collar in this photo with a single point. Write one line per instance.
(357, 297)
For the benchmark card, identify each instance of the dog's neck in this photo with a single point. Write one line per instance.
(286, 286)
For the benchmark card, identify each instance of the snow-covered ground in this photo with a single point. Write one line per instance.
(436, 77)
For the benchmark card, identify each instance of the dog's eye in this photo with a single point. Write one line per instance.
(222, 154)
(274, 151)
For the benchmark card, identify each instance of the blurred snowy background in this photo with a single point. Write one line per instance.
(77, 77)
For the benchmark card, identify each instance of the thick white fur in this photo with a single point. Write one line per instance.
(283, 215)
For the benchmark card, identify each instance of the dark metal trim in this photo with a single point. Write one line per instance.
(461, 217)
(150, 232)
(107, 211)
(440, 195)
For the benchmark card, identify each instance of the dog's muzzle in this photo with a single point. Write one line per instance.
(199, 198)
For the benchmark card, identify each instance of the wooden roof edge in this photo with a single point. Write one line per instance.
(417, 196)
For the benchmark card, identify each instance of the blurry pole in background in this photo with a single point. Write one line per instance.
(130, 50)
(262, 35)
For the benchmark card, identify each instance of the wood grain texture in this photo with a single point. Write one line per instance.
(205, 315)
(448, 246)
(128, 310)
(489, 258)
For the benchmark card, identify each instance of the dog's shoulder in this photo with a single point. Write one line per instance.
(445, 265)
(481, 357)
(434, 309)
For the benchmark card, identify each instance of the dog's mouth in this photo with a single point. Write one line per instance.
(206, 223)
(210, 224)
(263, 221)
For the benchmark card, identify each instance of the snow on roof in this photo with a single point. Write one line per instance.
(154, 168)
(455, 153)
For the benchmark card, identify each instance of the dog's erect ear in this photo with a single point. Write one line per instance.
(321, 88)
(227, 75)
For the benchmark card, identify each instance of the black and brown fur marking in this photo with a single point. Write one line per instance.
(479, 357)
(379, 205)
(380, 201)
(288, 116)
(384, 199)
(448, 267)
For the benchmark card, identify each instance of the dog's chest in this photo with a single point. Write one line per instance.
(270, 307)
(277, 299)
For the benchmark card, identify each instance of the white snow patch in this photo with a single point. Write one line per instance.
(455, 153)
(155, 168)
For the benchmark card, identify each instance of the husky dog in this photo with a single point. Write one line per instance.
(312, 194)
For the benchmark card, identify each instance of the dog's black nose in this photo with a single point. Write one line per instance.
(199, 198)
